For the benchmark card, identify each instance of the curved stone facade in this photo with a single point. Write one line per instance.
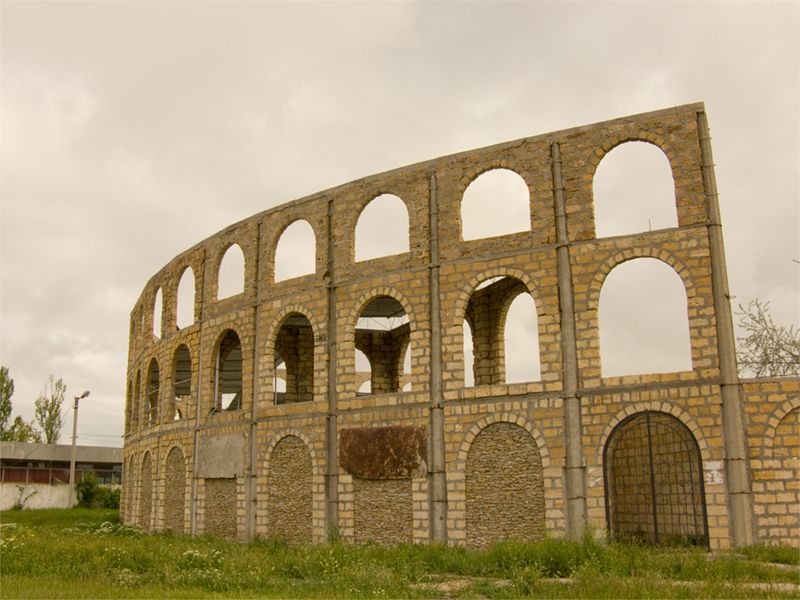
(263, 384)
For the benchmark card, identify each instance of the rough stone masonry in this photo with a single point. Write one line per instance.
(249, 420)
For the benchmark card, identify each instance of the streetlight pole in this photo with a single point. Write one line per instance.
(74, 437)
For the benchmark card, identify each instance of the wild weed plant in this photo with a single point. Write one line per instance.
(89, 553)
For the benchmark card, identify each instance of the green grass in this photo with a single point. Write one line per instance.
(83, 553)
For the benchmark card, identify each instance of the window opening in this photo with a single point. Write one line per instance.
(136, 407)
(186, 294)
(633, 191)
(469, 356)
(521, 334)
(296, 251)
(228, 381)
(152, 393)
(495, 203)
(158, 311)
(294, 350)
(181, 383)
(644, 322)
(363, 374)
(231, 273)
(382, 228)
(383, 335)
(501, 335)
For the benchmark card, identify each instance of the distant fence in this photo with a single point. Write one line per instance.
(55, 475)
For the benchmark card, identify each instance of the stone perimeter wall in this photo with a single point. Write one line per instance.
(228, 454)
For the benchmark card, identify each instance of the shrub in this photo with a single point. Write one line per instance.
(92, 495)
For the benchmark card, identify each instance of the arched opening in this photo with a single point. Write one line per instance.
(294, 350)
(496, 203)
(128, 407)
(363, 374)
(181, 383)
(153, 384)
(501, 335)
(186, 293)
(296, 251)
(228, 373)
(175, 491)
(504, 486)
(136, 407)
(383, 336)
(290, 490)
(158, 312)
(521, 336)
(469, 355)
(405, 370)
(654, 481)
(633, 191)
(644, 322)
(382, 228)
(231, 273)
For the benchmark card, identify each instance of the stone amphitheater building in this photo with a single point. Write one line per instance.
(250, 417)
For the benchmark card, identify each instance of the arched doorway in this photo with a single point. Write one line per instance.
(654, 481)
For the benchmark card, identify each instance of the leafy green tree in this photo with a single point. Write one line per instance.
(22, 431)
(767, 350)
(49, 409)
(6, 391)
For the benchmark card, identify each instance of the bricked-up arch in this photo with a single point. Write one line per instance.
(382, 335)
(230, 280)
(782, 475)
(181, 383)
(158, 312)
(153, 388)
(295, 252)
(128, 502)
(289, 506)
(486, 317)
(504, 486)
(228, 372)
(175, 490)
(643, 320)
(294, 349)
(186, 294)
(497, 202)
(654, 481)
(146, 493)
(633, 190)
(382, 228)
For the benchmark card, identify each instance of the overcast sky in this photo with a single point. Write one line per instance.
(131, 131)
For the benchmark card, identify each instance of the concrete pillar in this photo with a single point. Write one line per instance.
(737, 468)
(199, 299)
(331, 442)
(437, 476)
(574, 467)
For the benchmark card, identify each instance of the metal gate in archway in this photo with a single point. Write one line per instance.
(654, 481)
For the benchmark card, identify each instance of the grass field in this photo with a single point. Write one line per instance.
(82, 553)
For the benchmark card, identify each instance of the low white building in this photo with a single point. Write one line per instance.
(37, 475)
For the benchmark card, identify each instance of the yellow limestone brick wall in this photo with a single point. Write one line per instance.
(773, 416)
(333, 296)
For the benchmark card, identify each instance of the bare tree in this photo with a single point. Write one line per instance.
(767, 350)
(49, 411)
